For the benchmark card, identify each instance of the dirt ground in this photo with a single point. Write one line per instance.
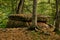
(24, 34)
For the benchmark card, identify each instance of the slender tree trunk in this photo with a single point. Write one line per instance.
(34, 16)
(20, 5)
(22, 11)
(57, 17)
(48, 1)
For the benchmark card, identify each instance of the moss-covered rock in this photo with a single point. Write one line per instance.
(28, 17)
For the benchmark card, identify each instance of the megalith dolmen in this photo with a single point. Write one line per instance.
(25, 20)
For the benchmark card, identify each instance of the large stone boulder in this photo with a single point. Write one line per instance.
(24, 20)
(28, 17)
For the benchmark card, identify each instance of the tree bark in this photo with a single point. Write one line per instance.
(48, 1)
(20, 7)
(22, 11)
(57, 17)
(34, 16)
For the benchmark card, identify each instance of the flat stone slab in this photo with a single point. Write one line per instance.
(28, 17)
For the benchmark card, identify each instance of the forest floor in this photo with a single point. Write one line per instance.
(24, 34)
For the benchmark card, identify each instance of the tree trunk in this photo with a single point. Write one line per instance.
(20, 6)
(22, 11)
(48, 1)
(34, 16)
(57, 17)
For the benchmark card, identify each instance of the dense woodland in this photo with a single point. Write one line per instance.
(45, 7)
(29, 19)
